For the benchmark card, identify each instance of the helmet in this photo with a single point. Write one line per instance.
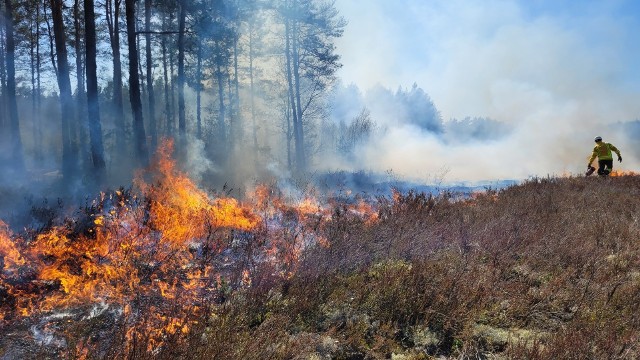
(598, 138)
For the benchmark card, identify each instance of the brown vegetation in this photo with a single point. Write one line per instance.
(549, 269)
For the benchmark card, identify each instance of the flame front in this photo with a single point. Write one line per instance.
(9, 253)
(622, 173)
(157, 254)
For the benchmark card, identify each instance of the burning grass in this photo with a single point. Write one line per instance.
(546, 269)
(158, 259)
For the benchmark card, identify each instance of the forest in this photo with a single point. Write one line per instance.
(89, 89)
(248, 89)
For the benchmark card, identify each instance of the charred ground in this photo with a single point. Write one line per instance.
(546, 269)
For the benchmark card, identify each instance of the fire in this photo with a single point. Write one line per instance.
(623, 173)
(160, 254)
(10, 258)
(153, 248)
(9, 254)
(181, 211)
(367, 211)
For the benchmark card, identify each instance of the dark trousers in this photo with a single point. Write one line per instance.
(605, 167)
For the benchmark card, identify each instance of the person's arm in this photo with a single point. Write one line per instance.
(593, 156)
(615, 149)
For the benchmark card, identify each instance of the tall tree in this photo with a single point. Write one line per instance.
(167, 103)
(311, 61)
(79, 127)
(198, 86)
(220, 37)
(182, 122)
(140, 31)
(93, 118)
(153, 128)
(294, 32)
(222, 128)
(299, 146)
(202, 29)
(142, 152)
(172, 83)
(64, 85)
(234, 14)
(236, 125)
(113, 22)
(33, 7)
(39, 135)
(252, 87)
(50, 37)
(14, 122)
(254, 13)
(3, 81)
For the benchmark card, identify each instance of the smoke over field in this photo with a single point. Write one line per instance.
(556, 74)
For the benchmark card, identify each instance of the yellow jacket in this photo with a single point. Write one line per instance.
(603, 151)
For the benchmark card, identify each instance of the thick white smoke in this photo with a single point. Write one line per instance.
(556, 77)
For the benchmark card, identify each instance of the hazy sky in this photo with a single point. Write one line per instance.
(560, 70)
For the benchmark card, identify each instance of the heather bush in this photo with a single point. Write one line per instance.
(549, 268)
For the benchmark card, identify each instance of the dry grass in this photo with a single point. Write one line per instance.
(549, 269)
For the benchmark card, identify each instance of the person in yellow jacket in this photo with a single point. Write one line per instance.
(602, 151)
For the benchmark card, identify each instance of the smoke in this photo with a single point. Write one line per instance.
(554, 76)
(457, 90)
(197, 163)
(549, 138)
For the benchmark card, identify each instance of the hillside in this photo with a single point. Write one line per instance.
(549, 269)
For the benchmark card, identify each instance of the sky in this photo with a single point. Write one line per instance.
(559, 71)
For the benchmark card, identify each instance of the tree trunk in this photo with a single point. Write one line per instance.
(153, 128)
(300, 150)
(252, 95)
(81, 97)
(32, 69)
(236, 101)
(51, 37)
(167, 102)
(64, 85)
(182, 123)
(113, 22)
(141, 76)
(289, 134)
(39, 137)
(35, 93)
(14, 122)
(142, 152)
(292, 97)
(231, 139)
(222, 131)
(172, 92)
(93, 118)
(199, 92)
(3, 87)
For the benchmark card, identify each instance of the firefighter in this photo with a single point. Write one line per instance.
(602, 151)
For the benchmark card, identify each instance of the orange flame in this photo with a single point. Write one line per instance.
(623, 173)
(181, 211)
(138, 248)
(157, 245)
(8, 252)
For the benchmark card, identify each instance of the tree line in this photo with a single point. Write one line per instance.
(92, 86)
